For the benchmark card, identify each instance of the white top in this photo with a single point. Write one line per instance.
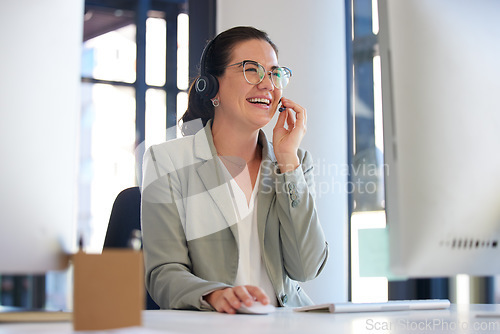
(251, 268)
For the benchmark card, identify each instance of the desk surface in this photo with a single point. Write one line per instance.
(458, 319)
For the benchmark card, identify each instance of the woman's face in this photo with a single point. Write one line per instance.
(245, 104)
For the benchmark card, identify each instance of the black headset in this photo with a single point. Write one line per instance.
(206, 85)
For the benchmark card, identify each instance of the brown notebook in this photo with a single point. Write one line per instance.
(35, 316)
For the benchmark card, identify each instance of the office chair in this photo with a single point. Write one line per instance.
(125, 218)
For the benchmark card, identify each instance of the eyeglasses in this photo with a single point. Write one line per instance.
(254, 73)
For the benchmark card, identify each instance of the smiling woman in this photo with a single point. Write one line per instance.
(216, 234)
(240, 100)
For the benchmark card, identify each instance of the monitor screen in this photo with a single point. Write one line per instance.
(441, 110)
(39, 105)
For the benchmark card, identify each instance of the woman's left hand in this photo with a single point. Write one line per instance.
(286, 140)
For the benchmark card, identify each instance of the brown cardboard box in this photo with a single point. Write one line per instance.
(108, 289)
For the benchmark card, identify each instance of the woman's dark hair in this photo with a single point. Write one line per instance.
(217, 57)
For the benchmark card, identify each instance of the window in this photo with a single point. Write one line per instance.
(367, 169)
(132, 83)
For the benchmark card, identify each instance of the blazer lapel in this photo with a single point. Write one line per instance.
(266, 189)
(214, 178)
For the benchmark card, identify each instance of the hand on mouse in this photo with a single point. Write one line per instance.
(229, 300)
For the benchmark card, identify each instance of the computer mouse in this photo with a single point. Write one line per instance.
(256, 308)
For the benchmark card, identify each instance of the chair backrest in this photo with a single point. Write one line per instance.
(125, 218)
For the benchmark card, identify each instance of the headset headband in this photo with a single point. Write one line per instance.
(203, 59)
(206, 85)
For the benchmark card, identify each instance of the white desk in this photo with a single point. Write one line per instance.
(454, 320)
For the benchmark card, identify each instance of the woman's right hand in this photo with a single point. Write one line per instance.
(229, 300)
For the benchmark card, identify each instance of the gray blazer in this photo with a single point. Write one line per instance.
(190, 228)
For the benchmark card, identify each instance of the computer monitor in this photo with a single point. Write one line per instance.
(441, 109)
(39, 106)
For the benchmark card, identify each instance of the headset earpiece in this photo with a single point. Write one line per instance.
(206, 85)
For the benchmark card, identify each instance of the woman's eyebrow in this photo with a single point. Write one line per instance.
(256, 62)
